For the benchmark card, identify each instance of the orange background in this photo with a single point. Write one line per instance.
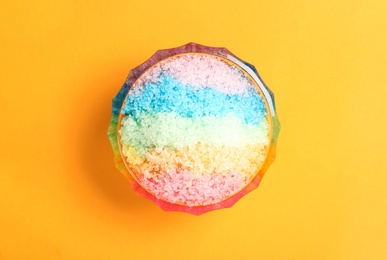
(62, 62)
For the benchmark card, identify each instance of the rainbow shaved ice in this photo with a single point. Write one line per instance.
(194, 130)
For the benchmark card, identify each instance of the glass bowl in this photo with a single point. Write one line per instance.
(194, 128)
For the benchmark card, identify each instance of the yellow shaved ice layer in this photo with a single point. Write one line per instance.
(132, 156)
(199, 159)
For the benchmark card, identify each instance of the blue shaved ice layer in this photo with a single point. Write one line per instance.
(168, 95)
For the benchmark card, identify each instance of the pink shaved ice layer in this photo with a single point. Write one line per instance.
(200, 71)
(182, 187)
